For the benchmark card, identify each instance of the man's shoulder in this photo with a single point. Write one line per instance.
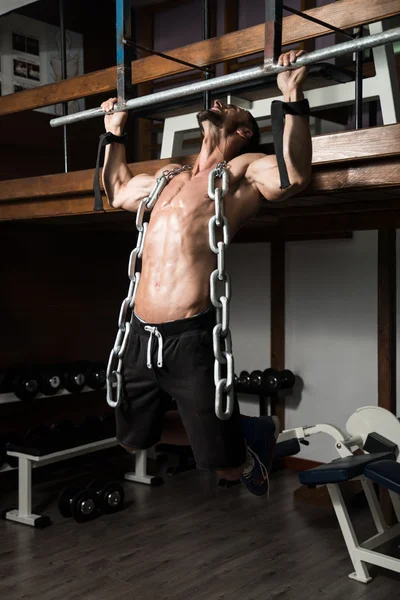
(246, 159)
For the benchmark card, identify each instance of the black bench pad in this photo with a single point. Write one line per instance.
(341, 469)
(386, 473)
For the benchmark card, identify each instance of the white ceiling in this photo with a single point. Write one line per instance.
(8, 5)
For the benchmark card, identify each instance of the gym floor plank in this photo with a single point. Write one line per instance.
(187, 540)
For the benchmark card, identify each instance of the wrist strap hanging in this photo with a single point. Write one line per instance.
(278, 111)
(105, 138)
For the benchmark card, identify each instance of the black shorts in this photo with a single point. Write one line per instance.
(187, 376)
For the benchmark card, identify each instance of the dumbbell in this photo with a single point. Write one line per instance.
(109, 425)
(257, 379)
(5, 440)
(287, 379)
(96, 376)
(244, 378)
(63, 436)
(25, 384)
(75, 376)
(78, 504)
(271, 380)
(50, 381)
(109, 495)
(90, 430)
(39, 439)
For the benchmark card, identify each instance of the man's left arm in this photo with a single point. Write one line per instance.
(297, 147)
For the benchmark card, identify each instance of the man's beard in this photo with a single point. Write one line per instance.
(210, 115)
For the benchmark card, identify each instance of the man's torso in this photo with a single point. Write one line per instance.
(177, 260)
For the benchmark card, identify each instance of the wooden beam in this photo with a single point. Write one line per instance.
(387, 337)
(381, 142)
(231, 23)
(146, 39)
(277, 275)
(307, 45)
(387, 319)
(344, 13)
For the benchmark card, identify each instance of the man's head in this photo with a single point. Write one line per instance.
(235, 124)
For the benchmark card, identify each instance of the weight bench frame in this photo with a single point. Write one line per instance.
(361, 553)
(26, 462)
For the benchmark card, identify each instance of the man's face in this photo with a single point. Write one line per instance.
(224, 116)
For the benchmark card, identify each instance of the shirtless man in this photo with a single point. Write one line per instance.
(174, 295)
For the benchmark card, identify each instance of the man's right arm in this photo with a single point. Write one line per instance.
(122, 189)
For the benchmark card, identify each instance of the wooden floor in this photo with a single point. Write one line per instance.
(186, 540)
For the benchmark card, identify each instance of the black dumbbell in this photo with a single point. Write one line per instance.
(50, 381)
(39, 440)
(244, 378)
(63, 435)
(78, 504)
(257, 379)
(90, 430)
(287, 379)
(75, 377)
(25, 384)
(109, 495)
(271, 380)
(96, 376)
(6, 440)
(109, 425)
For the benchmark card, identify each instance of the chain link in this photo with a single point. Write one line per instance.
(220, 298)
(222, 340)
(115, 382)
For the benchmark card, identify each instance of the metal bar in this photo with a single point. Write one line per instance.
(359, 85)
(206, 36)
(63, 55)
(273, 31)
(371, 41)
(124, 52)
(318, 21)
(167, 56)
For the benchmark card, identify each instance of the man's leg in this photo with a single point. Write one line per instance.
(253, 429)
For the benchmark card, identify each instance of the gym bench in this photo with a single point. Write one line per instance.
(28, 460)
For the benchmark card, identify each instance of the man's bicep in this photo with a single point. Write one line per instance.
(263, 174)
(130, 194)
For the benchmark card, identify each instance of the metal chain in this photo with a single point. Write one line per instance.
(222, 340)
(114, 369)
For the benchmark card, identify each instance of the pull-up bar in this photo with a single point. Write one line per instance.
(355, 45)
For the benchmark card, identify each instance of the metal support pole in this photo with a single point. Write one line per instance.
(273, 32)
(206, 36)
(241, 77)
(64, 75)
(124, 52)
(359, 85)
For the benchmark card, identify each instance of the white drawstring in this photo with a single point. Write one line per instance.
(154, 331)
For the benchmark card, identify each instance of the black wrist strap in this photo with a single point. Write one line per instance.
(105, 138)
(278, 111)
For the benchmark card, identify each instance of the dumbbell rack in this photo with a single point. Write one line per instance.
(266, 400)
(27, 462)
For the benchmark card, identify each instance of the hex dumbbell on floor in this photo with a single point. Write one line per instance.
(77, 503)
(109, 495)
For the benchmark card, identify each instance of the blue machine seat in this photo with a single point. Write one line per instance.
(342, 469)
(386, 473)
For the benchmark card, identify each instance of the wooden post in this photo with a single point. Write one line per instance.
(146, 38)
(387, 335)
(231, 23)
(307, 45)
(278, 315)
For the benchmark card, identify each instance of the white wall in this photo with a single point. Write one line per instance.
(249, 265)
(331, 330)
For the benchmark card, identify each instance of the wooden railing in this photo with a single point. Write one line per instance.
(351, 160)
(344, 14)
